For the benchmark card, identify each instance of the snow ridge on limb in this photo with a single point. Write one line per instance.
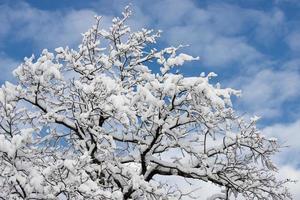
(96, 123)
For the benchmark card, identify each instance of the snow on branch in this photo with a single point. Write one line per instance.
(96, 123)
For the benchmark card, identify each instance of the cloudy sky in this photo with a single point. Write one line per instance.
(252, 45)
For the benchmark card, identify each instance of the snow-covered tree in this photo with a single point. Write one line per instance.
(96, 123)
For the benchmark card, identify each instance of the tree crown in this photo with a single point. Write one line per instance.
(96, 123)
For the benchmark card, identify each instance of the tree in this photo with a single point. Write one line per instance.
(96, 123)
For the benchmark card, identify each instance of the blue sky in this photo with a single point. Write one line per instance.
(252, 45)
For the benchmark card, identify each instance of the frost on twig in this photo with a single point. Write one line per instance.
(96, 123)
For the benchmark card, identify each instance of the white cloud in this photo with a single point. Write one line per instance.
(195, 188)
(293, 64)
(217, 32)
(293, 41)
(7, 64)
(265, 93)
(288, 172)
(269, 25)
(203, 190)
(170, 12)
(225, 51)
(60, 30)
(51, 29)
(288, 135)
(43, 29)
(46, 29)
(214, 49)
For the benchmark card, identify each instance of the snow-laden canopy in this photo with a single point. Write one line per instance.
(96, 123)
